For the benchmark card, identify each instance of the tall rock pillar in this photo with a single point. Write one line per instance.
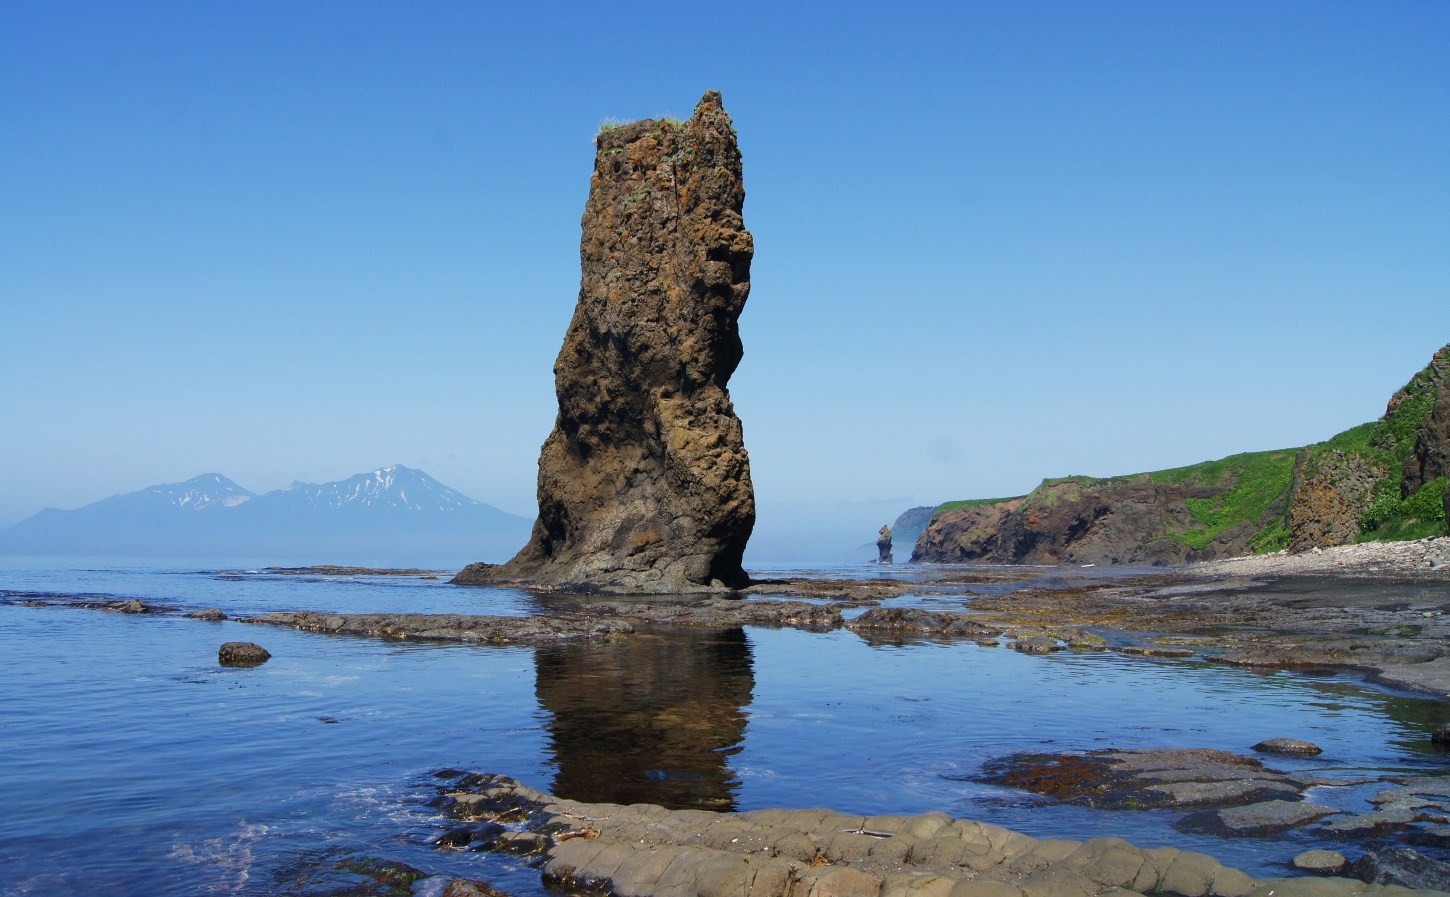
(644, 483)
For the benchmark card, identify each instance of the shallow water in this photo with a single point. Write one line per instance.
(136, 765)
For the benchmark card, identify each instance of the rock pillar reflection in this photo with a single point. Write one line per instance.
(652, 718)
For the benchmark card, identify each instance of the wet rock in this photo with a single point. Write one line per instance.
(1402, 866)
(242, 654)
(464, 835)
(486, 629)
(1036, 644)
(467, 887)
(1290, 746)
(917, 621)
(210, 614)
(644, 483)
(642, 850)
(1320, 862)
(1441, 735)
(1154, 651)
(132, 606)
(1123, 780)
(1255, 820)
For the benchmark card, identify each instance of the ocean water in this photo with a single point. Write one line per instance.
(133, 764)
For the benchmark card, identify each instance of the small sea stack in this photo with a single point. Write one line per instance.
(644, 483)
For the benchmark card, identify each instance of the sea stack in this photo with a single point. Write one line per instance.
(644, 483)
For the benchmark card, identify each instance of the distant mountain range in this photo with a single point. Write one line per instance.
(392, 513)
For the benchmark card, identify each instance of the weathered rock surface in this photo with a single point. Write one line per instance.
(1322, 495)
(644, 483)
(1260, 820)
(1404, 867)
(883, 546)
(1289, 746)
(484, 629)
(1331, 492)
(1083, 520)
(599, 619)
(1321, 862)
(1430, 457)
(643, 850)
(242, 654)
(1147, 779)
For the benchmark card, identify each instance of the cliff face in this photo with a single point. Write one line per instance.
(1430, 457)
(644, 483)
(1383, 480)
(1169, 516)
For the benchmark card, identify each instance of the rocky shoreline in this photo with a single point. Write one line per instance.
(644, 850)
(1427, 558)
(1383, 610)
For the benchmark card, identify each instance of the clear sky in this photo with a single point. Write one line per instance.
(995, 241)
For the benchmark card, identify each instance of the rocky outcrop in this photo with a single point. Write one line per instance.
(242, 654)
(1430, 457)
(644, 483)
(645, 850)
(1331, 492)
(1083, 520)
(1382, 480)
(883, 546)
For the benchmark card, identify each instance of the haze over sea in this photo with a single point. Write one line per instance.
(995, 242)
(135, 765)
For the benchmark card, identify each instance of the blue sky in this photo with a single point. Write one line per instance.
(995, 242)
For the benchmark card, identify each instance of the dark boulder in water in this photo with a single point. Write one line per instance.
(242, 654)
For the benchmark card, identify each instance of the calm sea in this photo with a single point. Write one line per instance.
(134, 765)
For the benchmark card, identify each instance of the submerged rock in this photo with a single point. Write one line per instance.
(1260, 820)
(644, 483)
(1147, 779)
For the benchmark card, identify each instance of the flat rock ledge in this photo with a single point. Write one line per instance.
(1231, 795)
(642, 850)
(601, 620)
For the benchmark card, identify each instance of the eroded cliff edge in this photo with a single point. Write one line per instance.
(644, 483)
(1382, 480)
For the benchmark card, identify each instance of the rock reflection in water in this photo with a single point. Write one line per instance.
(652, 718)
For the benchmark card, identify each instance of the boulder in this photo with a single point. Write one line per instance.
(1320, 862)
(211, 614)
(644, 483)
(1402, 866)
(1290, 746)
(242, 654)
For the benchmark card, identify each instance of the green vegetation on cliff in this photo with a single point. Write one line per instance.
(972, 503)
(1256, 481)
(1371, 482)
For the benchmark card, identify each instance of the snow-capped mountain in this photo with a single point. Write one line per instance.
(396, 487)
(392, 513)
(206, 491)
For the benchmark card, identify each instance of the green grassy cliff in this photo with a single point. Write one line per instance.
(1384, 480)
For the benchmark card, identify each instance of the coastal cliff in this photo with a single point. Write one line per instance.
(1383, 480)
(644, 483)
